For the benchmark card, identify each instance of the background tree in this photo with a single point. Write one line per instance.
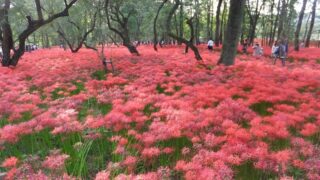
(233, 31)
(7, 38)
(188, 43)
(76, 29)
(299, 24)
(314, 8)
(118, 14)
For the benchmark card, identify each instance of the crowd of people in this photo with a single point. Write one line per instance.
(279, 50)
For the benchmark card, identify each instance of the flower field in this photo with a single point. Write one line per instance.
(162, 115)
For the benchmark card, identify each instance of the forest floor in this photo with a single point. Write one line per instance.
(162, 115)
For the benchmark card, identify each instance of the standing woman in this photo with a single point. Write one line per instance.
(210, 44)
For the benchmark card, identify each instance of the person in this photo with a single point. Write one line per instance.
(257, 50)
(245, 46)
(1, 53)
(282, 53)
(275, 50)
(302, 45)
(210, 44)
(286, 44)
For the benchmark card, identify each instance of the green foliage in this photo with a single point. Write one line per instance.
(160, 89)
(247, 171)
(57, 93)
(149, 109)
(177, 144)
(99, 75)
(279, 144)
(261, 108)
(80, 87)
(93, 107)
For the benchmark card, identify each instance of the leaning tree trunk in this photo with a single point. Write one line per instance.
(314, 7)
(297, 33)
(183, 40)
(217, 35)
(114, 13)
(232, 35)
(132, 49)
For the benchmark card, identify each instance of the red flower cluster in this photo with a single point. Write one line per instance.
(210, 118)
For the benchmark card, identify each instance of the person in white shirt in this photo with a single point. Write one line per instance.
(210, 44)
(0, 51)
(257, 50)
(275, 50)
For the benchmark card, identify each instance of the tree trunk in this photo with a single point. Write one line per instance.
(197, 23)
(181, 16)
(222, 25)
(297, 33)
(314, 7)
(155, 33)
(270, 41)
(232, 35)
(276, 24)
(217, 35)
(188, 43)
(306, 28)
(209, 19)
(7, 39)
(283, 16)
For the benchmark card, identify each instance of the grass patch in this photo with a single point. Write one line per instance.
(160, 89)
(245, 124)
(149, 109)
(247, 171)
(296, 173)
(29, 78)
(99, 75)
(3, 120)
(303, 60)
(290, 103)
(315, 139)
(290, 59)
(85, 160)
(80, 87)
(279, 144)
(302, 89)
(43, 106)
(262, 107)
(170, 159)
(293, 131)
(247, 89)
(236, 96)
(177, 88)
(93, 107)
(55, 94)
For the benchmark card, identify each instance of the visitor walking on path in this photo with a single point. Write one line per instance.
(282, 53)
(245, 46)
(257, 50)
(210, 44)
(275, 50)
